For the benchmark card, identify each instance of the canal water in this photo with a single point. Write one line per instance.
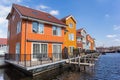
(107, 67)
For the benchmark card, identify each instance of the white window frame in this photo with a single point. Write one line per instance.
(38, 30)
(70, 50)
(71, 37)
(58, 33)
(18, 27)
(40, 49)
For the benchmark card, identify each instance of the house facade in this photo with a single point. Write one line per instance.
(70, 33)
(33, 32)
(81, 39)
(3, 46)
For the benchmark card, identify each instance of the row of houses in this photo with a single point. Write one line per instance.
(35, 32)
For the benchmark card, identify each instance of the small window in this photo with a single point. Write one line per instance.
(71, 37)
(37, 27)
(8, 34)
(70, 25)
(56, 31)
(18, 48)
(18, 27)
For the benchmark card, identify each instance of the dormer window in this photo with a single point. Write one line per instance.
(70, 25)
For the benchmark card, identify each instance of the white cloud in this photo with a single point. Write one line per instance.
(54, 12)
(116, 27)
(107, 15)
(111, 36)
(42, 7)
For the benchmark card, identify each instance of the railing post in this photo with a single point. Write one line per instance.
(25, 60)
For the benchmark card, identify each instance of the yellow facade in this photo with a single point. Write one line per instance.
(70, 30)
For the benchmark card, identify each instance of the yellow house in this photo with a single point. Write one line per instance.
(70, 33)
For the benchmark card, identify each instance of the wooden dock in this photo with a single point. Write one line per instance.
(84, 60)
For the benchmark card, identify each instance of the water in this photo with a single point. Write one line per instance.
(107, 68)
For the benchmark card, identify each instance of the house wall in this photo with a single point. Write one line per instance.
(67, 42)
(12, 28)
(27, 34)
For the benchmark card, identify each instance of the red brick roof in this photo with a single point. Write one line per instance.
(25, 11)
(3, 41)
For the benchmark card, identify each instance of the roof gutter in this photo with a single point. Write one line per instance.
(42, 21)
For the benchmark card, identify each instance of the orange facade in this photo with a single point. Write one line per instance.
(26, 37)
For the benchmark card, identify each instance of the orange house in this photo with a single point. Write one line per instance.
(90, 42)
(33, 32)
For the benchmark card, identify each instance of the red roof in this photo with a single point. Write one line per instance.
(3, 41)
(28, 12)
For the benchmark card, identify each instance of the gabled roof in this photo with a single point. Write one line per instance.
(3, 41)
(79, 30)
(36, 14)
(67, 17)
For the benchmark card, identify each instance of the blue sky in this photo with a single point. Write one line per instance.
(100, 18)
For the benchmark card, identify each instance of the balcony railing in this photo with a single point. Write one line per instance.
(28, 60)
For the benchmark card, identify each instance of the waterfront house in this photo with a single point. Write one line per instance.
(81, 39)
(3, 45)
(33, 33)
(90, 43)
(70, 33)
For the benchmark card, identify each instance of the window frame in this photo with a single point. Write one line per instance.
(71, 25)
(58, 31)
(18, 27)
(71, 36)
(40, 26)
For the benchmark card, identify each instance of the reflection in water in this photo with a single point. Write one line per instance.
(107, 68)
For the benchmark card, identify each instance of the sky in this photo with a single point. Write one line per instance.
(100, 18)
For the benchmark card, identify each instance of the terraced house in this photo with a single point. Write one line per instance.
(70, 33)
(81, 38)
(33, 32)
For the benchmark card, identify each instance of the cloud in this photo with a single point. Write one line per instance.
(117, 40)
(47, 9)
(111, 36)
(116, 27)
(54, 12)
(42, 7)
(107, 15)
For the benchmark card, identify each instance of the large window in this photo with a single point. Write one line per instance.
(18, 27)
(37, 27)
(71, 37)
(39, 48)
(56, 31)
(57, 51)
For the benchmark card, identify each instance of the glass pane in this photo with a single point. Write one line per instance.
(54, 30)
(41, 28)
(58, 31)
(35, 27)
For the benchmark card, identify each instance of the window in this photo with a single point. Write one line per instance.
(71, 37)
(56, 31)
(18, 48)
(37, 27)
(39, 48)
(78, 39)
(71, 49)
(18, 27)
(70, 25)
(57, 51)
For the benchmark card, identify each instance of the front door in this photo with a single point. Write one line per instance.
(57, 51)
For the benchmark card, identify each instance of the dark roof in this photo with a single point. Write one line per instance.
(3, 41)
(63, 19)
(25, 11)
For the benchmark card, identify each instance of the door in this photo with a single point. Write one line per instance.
(36, 51)
(17, 56)
(44, 50)
(57, 51)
